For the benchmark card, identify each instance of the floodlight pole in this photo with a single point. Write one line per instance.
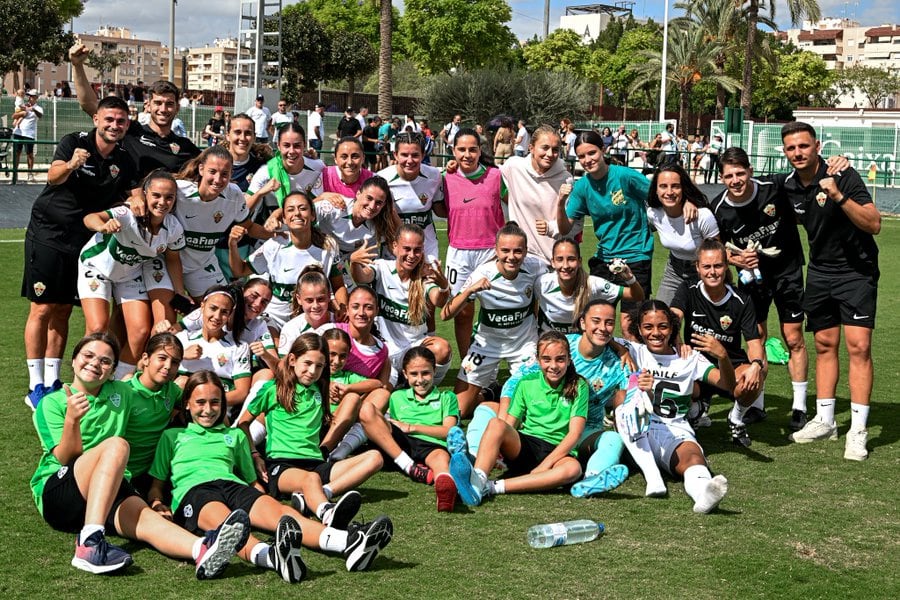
(172, 41)
(665, 60)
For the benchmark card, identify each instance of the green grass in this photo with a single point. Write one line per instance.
(799, 521)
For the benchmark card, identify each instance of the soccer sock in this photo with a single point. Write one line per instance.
(195, 549)
(760, 401)
(646, 462)
(88, 530)
(480, 419)
(404, 462)
(495, 487)
(333, 540)
(51, 370)
(607, 453)
(825, 410)
(695, 480)
(329, 493)
(260, 556)
(123, 369)
(737, 413)
(440, 371)
(35, 372)
(799, 402)
(859, 416)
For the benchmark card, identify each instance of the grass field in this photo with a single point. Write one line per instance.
(799, 521)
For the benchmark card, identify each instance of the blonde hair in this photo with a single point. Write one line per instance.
(582, 292)
(415, 299)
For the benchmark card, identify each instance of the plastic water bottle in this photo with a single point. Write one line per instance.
(564, 534)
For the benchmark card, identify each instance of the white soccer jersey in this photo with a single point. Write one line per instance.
(414, 199)
(506, 319)
(308, 180)
(673, 378)
(205, 223)
(556, 311)
(228, 360)
(297, 327)
(118, 256)
(338, 223)
(393, 307)
(283, 262)
(254, 329)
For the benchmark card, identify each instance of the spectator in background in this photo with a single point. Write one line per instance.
(348, 126)
(362, 116)
(522, 139)
(215, 128)
(137, 91)
(607, 136)
(448, 133)
(281, 118)
(713, 150)
(370, 141)
(27, 115)
(411, 122)
(185, 101)
(504, 141)
(261, 117)
(315, 127)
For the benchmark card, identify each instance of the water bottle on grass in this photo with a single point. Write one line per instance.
(564, 534)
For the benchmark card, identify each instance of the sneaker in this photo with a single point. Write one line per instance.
(340, 514)
(33, 398)
(492, 392)
(445, 490)
(421, 473)
(469, 484)
(855, 445)
(597, 483)
(96, 555)
(754, 415)
(220, 544)
(815, 429)
(286, 550)
(739, 436)
(712, 495)
(456, 440)
(798, 420)
(365, 541)
(54, 387)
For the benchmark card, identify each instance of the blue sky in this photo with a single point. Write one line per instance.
(200, 21)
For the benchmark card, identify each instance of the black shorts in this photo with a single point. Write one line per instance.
(587, 447)
(29, 148)
(64, 506)
(534, 451)
(277, 466)
(832, 300)
(416, 448)
(787, 292)
(50, 275)
(232, 494)
(642, 271)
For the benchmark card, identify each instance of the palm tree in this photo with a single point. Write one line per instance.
(385, 64)
(690, 58)
(799, 9)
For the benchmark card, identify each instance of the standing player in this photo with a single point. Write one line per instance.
(89, 173)
(841, 281)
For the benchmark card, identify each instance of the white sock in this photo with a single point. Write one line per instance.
(329, 493)
(257, 432)
(195, 549)
(404, 462)
(695, 480)
(51, 370)
(760, 401)
(254, 389)
(123, 369)
(35, 372)
(88, 530)
(799, 402)
(825, 410)
(440, 371)
(260, 556)
(333, 540)
(737, 413)
(643, 456)
(497, 487)
(859, 416)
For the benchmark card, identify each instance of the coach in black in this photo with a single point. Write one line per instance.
(90, 172)
(841, 281)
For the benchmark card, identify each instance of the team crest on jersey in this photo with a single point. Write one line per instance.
(62, 472)
(168, 404)
(821, 198)
(229, 440)
(114, 171)
(157, 276)
(188, 511)
(222, 359)
(769, 210)
(93, 285)
(725, 321)
(217, 216)
(39, 288)
(317, 398)
(423, 199)
(565, 401)
(161, 248)
(115, 399)
(174, 148)
(618, 197)
(597, 384)
(528, 291)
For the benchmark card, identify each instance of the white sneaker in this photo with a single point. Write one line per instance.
(712, 495)
(816, 429)
(855, 445)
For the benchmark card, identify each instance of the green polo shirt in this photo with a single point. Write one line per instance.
(107, 417)
(294, 435)
(543, 411)
(196, 455)
(406, 407)
(347, 377)
(150, 415)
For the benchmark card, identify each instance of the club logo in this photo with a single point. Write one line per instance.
(217, 216)
(174, 148)
(94, 284)
(229, 440)
(168, 404)
(725, 321)
(115, 399)
(769, 210)
(276, 469)
(157, 276)
(597, 384)
(39, 288)
(528, 291)
(114, 171)
(423, 199)
(222, 360)
(618, 198)
(188, 511)
(821, 198)
(317, 398)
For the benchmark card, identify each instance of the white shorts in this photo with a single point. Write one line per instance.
(666, 435)
(277, 314)
(396, 358)
(198, 281)
(92, 285)
(479, 368)
(460, 263)
(156, 276)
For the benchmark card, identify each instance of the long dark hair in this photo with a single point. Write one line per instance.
(571, 378)
(236, 293)
(286, 377)
(387, 221)
(689, 190)
(652, 305)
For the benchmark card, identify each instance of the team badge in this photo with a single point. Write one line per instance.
(168, 404)
(618, 197)
(174, 148)
(39, 288)
(188, 511)
(62, 472)
(217, 216)
(769, 210)
(115, 399)
(114, 171)
(725, 321)
(317, 398)
(528, 291)
(157, 276)
(93, 285)
(597, 384)
(565, 401)
(222, 359)
(229, 440)
(161, 248)
(821, 197)
(423, 199)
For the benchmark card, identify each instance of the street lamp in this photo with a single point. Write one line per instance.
(665, 60)
(184, 79)
(172, 42)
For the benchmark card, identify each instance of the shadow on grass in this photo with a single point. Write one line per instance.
(380, 494)
(386, 563)
(887, 415)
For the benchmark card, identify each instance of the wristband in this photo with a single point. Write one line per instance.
(631, 281)
(757, 361)
(444, 289)
(843, 200)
